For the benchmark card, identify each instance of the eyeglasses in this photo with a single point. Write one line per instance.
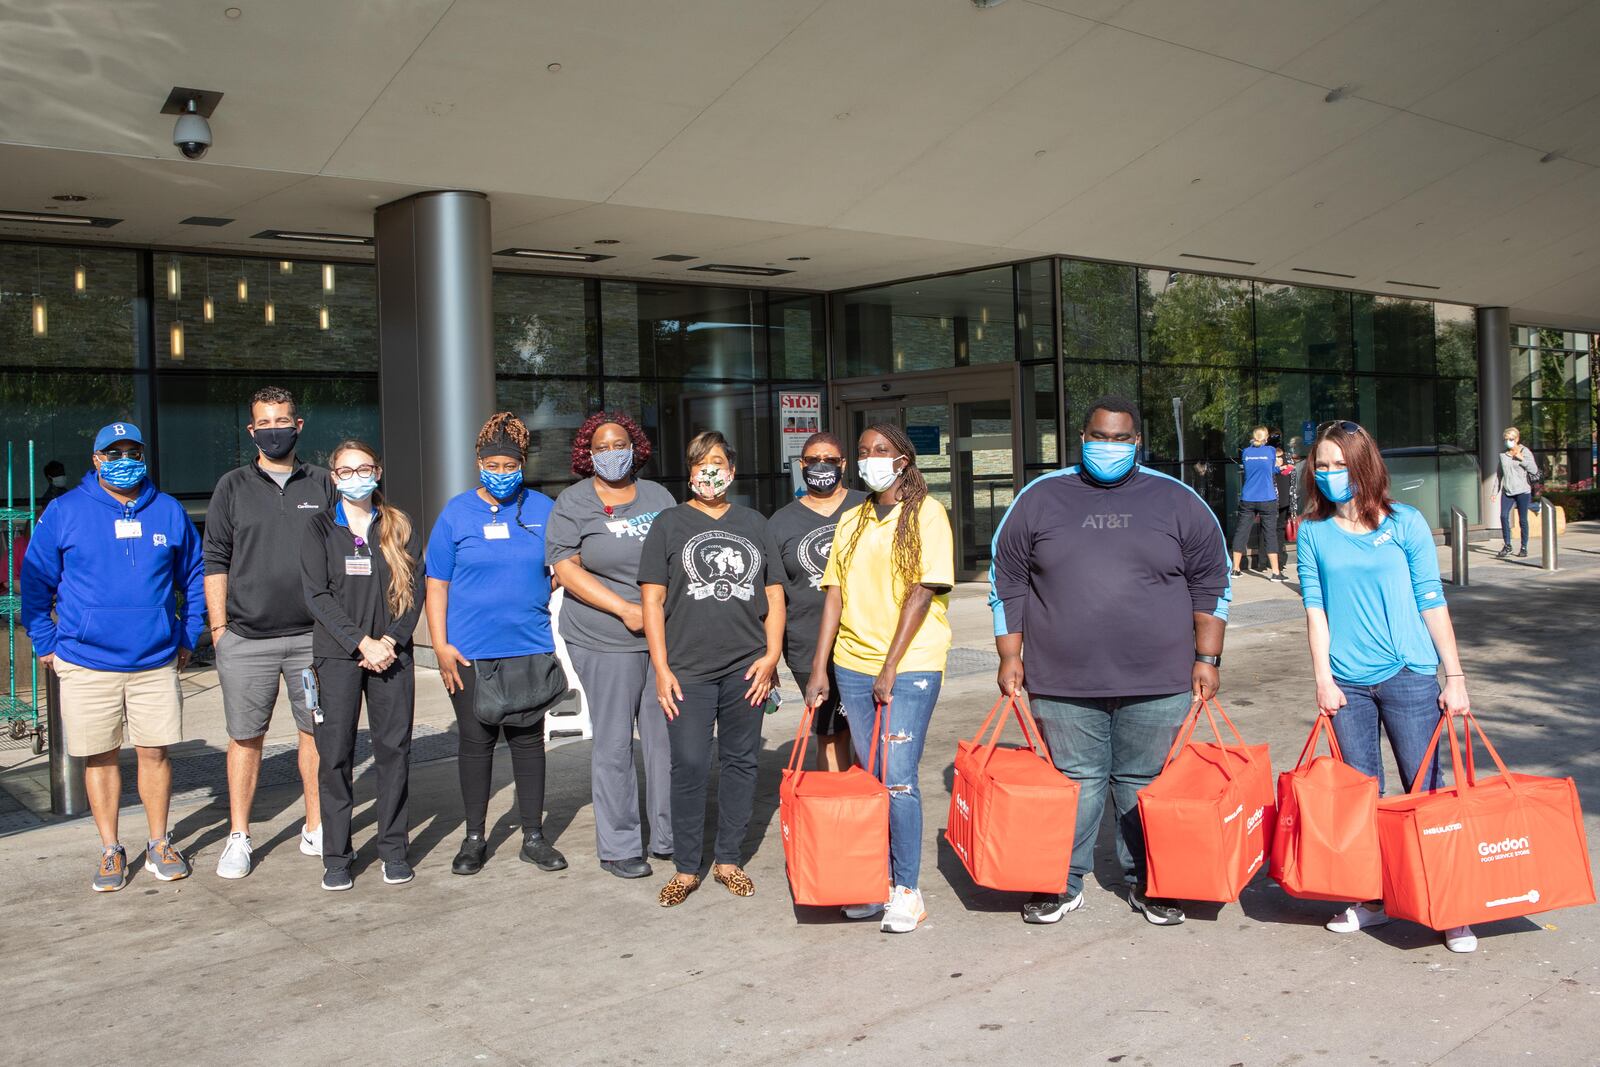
(1344, 424)
(366, 470)
(123, 453)
(806, 461)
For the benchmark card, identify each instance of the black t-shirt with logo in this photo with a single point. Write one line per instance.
(804, 539)
(716, 572)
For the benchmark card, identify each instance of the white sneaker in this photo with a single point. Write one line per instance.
(904, 912)
(1357, 917)
(863, 911)
(235, 859)
(311, 841)
(1461, 939)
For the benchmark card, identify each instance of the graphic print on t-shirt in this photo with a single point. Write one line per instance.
(813, 551)
(721, 565)
(635, 526)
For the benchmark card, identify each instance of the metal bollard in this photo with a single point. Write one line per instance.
(67, 794)
(1458, 546)
(1548, 524)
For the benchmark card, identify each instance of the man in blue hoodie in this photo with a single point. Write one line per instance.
(100, 587)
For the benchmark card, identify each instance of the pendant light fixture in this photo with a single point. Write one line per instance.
(175, 339)
(327, 277)
(269, 314)
(285, 266)
(80, 278)
(208, 307)
(174, 279)
(323, 321)
(41, 314)
(244, 285)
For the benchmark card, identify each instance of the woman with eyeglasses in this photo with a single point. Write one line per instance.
(489, 601)
(596, 534)
(885, 631)
(803, 531)
(361, 569)
(1377, 623)
(712, 590)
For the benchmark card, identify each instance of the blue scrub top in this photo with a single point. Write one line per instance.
(499, 587)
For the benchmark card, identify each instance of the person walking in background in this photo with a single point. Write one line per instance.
(489, 599)
(595, 537)
(1377, 624)
(1115, 578)
(361, 576)
(100, 586)
(1258, 502)
(885, 633)
(803, 531)
(712, 590)
(1514, 479)
(260, 626)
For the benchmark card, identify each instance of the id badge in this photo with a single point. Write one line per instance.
(358, 565)
(129, 528)
(496, 531)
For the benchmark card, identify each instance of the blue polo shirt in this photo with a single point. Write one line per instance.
(1260, 463)
(499, 588)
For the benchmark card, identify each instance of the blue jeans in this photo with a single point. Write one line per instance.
(1522, 502)
(903, 734)
(1120, 742)
(1407, 705)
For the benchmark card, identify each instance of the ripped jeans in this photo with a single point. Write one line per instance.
(906, 731)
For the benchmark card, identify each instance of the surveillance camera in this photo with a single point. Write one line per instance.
(192, 133)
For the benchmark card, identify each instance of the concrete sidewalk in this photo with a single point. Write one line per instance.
(518, 966)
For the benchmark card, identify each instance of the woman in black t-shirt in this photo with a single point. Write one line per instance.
(712, 592)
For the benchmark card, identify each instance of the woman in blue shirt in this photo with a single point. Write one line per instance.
(489, 598)
(1377, 622)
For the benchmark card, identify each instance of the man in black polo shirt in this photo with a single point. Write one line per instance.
(259, 621)
(1116, 577)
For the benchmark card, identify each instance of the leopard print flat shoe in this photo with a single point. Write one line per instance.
(675, 892)
(738, 883)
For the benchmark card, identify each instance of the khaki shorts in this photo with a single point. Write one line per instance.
(94, 704)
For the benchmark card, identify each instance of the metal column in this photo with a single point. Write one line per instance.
(67, 793)
(1458, 546)
(1494, 403)
(435, 345)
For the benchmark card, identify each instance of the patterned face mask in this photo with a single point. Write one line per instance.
(710, 482)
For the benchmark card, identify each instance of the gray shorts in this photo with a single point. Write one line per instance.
(248, 669)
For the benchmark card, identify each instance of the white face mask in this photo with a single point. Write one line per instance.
(879, 473)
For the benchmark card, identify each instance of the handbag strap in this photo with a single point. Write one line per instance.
(1322, 727)
(878, 739)
(995, 723)
(1192, 722)
(1466, 772)
(802, 738)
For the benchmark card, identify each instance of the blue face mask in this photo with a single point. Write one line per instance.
(501, 486)
(1335, 485)
(356, 487)
(122, 473)
(1108, 461)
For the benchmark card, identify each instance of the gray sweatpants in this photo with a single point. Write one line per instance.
(621, 687)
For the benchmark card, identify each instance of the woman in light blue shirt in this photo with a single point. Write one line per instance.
(1377, 622)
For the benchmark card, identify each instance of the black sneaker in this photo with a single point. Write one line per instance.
(1523, 554)
(397, 872)
(664, 857)
(1237, 573)
(542, 854)
(1157, 911)
(1503, 553)
(1047, 908)
(474, 850)
(1279, 576)
(337, 879)
(636, 867)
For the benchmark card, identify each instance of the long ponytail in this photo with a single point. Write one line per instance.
(393, 534)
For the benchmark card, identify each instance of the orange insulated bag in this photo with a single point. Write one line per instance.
(1482, 849)
(1208, 817)
(835, 828)
(1326, 843)
(1012, 814)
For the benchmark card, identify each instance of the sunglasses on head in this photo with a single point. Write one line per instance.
(1344, 424)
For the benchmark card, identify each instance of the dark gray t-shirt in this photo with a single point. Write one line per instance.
(716, 572)
(804, 539)
(609, 547)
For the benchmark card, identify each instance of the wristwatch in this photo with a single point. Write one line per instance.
(1201, 657)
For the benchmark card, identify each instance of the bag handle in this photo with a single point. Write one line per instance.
(802, 739)
(1466, 773)
(995, 723)
(1322, 727)
(1191, 723)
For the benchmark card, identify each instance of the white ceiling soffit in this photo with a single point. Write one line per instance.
(881, 139)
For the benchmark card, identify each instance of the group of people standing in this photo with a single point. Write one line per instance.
(1110, 588)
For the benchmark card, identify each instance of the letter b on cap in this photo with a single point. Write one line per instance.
(119, 429)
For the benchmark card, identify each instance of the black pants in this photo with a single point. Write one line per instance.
(391, 703)
(720, 704)
(1251, 512)
(475, 763)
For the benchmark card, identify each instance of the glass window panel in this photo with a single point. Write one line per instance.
(1458, 413)
(553, 409)
(1295, 404)
(1086, 383)
(46, 320)
(1458, 485)
(1195, 318)
(1393, 335)
(739, 410)
(1099, 314)
(1455, 331)
(682, 331)
(203, 418)
(1414, 480)
(60, 413)
(1298, 326)
(796, 338)
(542, 326)
(1041, 435)
(1218, 412)
(1035, 308)
(312, 328)
(929, 324)
(1399, 412)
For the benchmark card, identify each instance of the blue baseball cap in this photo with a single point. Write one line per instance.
(117, 431)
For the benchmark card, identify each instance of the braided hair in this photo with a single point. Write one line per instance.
(504, 424)
(906, 556)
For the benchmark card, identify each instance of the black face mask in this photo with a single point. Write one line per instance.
(822, 478)
(276, 442)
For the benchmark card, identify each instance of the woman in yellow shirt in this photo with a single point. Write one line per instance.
(884, 628)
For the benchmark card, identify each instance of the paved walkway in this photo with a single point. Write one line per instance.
(518, 966)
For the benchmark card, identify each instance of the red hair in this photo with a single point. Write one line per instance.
(1368, 475)
(583, 458)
